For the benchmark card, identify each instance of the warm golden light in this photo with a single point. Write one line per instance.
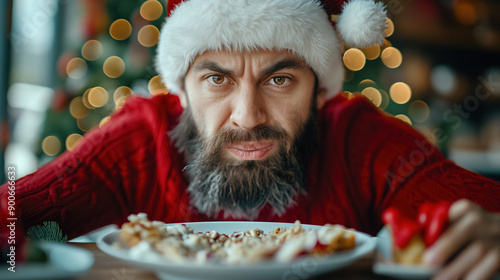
(98, 97)
(76, 68)
(400, 93)
(348, 94)
(391, 57)
(120, 102)
(72, 141)
(104, 121)
(151, 10)
(51, 145)
(77, 109)
(373, 95)
(156, 86)
(120, 29)
(85, 99)
(385, 44)
(120, 92)
(372, 52)
(419, 111)
(148, 35)
(354, 59)
(385, 99)
(403, 118)
(366, 83)
(92, 50)
(82, 124)
(390, 27)
(113, 67)
(465, 12)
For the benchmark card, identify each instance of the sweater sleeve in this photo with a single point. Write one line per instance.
(394, 165)
(94, 184)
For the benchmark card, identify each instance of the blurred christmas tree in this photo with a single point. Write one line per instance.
(113, 61)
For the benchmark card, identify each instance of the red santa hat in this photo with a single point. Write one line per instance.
(305, 27)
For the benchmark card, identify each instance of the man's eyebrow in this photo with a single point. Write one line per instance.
(212, 66)
(287, 63)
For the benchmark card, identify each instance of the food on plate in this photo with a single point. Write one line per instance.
(411, 237)
(155, 240)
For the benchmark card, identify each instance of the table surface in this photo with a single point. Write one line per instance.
(110, 268)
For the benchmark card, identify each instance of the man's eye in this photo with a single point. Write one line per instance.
(279, 80)
(217, 79)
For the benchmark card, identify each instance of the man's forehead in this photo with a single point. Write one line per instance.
(262, 57)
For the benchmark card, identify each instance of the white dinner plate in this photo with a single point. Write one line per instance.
(301, 268)
(63, 262)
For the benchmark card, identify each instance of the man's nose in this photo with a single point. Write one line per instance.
(248, 108)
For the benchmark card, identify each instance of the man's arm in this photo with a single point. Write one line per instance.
(96, 183)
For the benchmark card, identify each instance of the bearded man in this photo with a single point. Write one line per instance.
(255, 128)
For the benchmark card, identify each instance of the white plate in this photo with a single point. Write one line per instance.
(300, 269)
(385, 266)
(63, 262)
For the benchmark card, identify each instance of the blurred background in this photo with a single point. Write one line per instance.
(66, 65)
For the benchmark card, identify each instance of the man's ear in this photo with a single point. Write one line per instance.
(183, 98)
(321, 98)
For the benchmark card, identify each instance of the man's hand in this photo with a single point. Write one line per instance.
(476, 233)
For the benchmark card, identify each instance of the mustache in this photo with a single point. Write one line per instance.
(229, 136)
(212, 147)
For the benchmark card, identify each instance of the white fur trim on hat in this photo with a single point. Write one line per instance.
(362, 23)
(301, 26)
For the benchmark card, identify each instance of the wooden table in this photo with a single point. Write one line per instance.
(107, 267)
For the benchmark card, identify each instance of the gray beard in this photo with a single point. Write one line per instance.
(242, 188)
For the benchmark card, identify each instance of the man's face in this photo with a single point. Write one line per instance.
(241, 91)
(245, 130)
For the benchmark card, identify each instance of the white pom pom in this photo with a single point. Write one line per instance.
(362, 23)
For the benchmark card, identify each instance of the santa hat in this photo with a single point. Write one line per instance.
(306, 27)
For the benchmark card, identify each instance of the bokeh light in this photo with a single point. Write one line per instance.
(151, 10)
(373, 95)
(385, 99)
(366, 83)
(76, 68)
(156, 86)
(348, 94)
(98, 97)
(72, 140)
(371, 52)
(417, 73)
(77, 109)
(120, 92)
(113, 67)
(51, 145)
(354, 59)
(391, 57)
(390, 27)
(120, 29)
(400, 93)
(385, 44)
(85, 99)
(120, 102)
(92, 50)
(443, 80)
(83, 124)
(419, 111)
(148, 35)
(404, 118)
(104, 121)
(465, 11)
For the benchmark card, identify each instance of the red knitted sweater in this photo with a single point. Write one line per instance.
(367, 162)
